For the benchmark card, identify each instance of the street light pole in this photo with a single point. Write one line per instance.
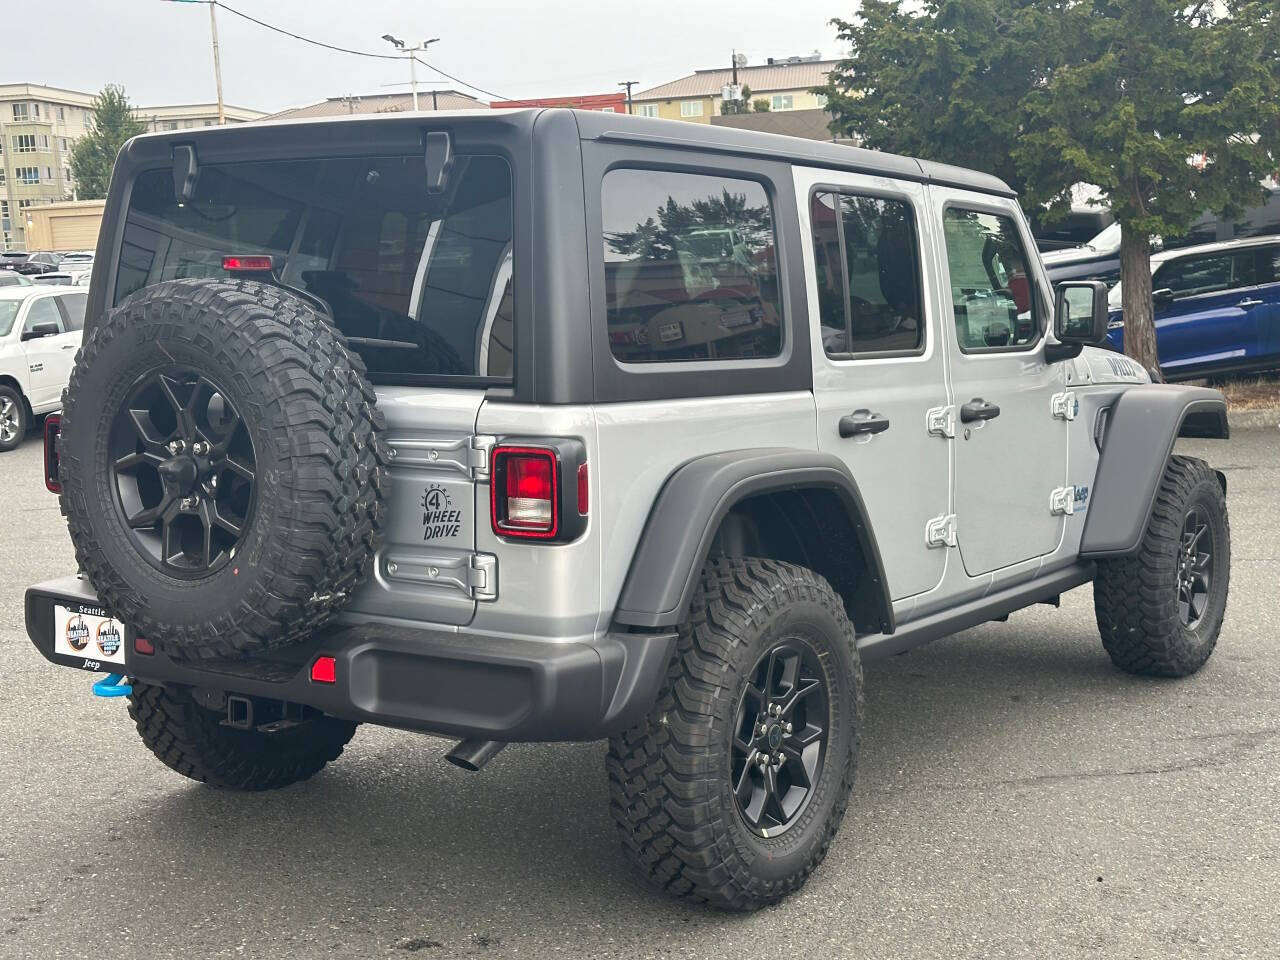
(412, 54)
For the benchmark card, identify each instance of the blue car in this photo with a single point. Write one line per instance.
(1217, 308)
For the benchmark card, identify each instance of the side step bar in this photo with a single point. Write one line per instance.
(995, 606)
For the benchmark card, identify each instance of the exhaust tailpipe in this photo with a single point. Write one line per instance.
(474, 754)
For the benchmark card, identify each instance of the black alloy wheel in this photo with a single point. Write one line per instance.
(1195, 567)
(183, 467)
(780, 735)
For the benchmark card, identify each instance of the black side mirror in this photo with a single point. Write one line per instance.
(1080, 318)
(38, 330)
(1162, 297)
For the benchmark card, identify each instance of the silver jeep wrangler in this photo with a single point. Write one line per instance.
(553, 425)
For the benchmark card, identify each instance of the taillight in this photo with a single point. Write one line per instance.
(524, 493)
(248, 264)
(52, 430)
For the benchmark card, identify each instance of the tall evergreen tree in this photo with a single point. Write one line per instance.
(1172, 107)
(94, 154)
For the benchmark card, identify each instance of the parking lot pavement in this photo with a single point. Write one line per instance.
(1017, 797)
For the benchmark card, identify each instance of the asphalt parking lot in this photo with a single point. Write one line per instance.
(1017, 797)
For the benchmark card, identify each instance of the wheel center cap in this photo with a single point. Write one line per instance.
(179, 473)
(775, 737)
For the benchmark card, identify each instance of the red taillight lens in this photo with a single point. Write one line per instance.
(523, 492)
(253, 264)
(52, 429)
(324, 670)
(583, 500)
(144, 646)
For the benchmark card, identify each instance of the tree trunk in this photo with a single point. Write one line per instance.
(1139, 317)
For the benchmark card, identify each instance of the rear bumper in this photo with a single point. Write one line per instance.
(459, 684)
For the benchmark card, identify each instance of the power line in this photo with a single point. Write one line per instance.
(348, 50)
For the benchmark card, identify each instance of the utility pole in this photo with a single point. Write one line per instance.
(412, 54)
(628, 84)
(217, 64)
(217, 60)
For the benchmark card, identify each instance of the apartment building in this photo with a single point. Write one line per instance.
(38, 125)
(783, 83)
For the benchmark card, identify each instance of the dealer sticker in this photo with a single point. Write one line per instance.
(85, 633)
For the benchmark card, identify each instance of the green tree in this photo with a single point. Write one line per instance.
(943, 79)
(1171, 108)
(761, 105)
(94, 155)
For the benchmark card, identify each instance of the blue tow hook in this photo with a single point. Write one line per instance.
(112, 685)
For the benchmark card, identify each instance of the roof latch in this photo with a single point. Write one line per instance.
(437, 146)
(186, 171)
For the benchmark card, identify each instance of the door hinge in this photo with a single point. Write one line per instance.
(481, 447)
(941, 421)
(941, 531)
(1062, 501)
(1064, 406)
(482, 577)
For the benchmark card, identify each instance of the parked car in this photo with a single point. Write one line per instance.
(30, 263)
(76, 264)
(630, 431)
(1074, 230)
(54, 278)
(40, 331)
(1217, 308)
(1099, 259)
(10, 279)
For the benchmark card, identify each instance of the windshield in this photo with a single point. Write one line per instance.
(8, 313)
(415, 281)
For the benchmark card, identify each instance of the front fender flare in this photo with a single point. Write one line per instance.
(1141, 429)
(677, 537)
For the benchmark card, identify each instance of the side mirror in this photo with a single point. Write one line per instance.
(1162, 297)
(39, 330)
(1080, 317)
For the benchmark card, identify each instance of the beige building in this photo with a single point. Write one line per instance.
(784, 84)
(38, 125)
(62, 227)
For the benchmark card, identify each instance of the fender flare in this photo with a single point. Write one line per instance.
(687, 512)
(1140, 432)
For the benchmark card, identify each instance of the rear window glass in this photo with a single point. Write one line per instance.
(73, 305)
(420, 284)
(691, 268)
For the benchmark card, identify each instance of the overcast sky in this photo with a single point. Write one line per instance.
(160, 50)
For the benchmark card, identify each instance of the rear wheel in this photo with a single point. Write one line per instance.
(1160, 610)
(13, 418)
(190, 737)
(732, 789)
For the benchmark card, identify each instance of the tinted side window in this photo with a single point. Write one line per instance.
(992, 291)
(868, 271)
(1193, 276)
(73, 305)
(691, 269)
(43, 310)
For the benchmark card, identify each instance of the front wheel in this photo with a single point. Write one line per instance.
(1160, 610)
(13, 418)
(731, 790)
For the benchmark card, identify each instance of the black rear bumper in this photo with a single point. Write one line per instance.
(459, 684)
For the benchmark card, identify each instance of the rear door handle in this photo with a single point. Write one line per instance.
(978, 409)
(69, 346)
(1248, 303)
(863, 421)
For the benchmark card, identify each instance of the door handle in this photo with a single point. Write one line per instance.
(978, 409)
(863, 421)
(68, 346)
(1249, 303)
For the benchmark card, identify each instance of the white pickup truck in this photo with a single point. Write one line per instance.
(40, 330)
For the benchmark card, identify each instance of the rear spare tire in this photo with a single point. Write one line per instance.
(222, 472)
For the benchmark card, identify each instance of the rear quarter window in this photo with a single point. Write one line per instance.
(691, 269)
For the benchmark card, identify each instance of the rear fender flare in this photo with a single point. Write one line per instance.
(688, 511)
